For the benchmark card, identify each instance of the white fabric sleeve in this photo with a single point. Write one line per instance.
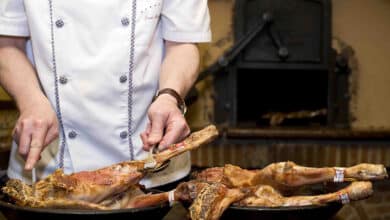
(13, 19)
(186, 21)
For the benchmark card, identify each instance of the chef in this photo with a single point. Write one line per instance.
(98, 82)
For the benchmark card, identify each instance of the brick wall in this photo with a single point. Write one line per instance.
(309, 154)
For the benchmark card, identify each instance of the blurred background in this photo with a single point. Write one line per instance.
(299, 80)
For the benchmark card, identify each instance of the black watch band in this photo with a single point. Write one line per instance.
(180, 101)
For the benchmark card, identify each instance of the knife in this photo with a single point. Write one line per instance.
(33, 179)
(151, 162)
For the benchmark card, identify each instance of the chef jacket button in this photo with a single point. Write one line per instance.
(63, 79)
(60, 23)
(123, 134)
(123, 79)
(72, 134)
(125, 21)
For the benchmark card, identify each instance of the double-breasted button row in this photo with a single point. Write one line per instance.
(60, 23)
(64, 80)
(73, 134)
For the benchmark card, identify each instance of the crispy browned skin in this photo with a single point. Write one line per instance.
(88, 188)
(91, 186)
(22, 194)
(213, 174)
(212, 200)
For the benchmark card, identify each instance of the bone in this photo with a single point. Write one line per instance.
(266, 196)
(192, 142)
(285, 176)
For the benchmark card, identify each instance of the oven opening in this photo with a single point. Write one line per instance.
(281, 98)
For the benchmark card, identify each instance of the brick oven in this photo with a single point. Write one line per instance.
(281, 70)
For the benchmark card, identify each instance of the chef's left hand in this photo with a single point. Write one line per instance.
(167, 124)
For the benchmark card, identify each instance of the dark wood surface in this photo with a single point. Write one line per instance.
(311, 133)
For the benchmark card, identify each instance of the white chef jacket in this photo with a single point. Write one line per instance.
(98, 63)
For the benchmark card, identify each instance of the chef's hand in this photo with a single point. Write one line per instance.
(36, 127)
(167, 124)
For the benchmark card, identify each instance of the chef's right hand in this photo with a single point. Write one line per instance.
(36, 127)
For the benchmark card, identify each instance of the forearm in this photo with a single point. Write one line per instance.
(180, 67)
(179, 72)
(17, 75)
(37, 125)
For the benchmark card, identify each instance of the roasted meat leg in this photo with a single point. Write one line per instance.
(201, 194)
(209, 200)
(267, 196)
(287, 176)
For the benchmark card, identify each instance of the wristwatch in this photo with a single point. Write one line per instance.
(180, 101)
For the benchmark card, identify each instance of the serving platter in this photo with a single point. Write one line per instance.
(317, 212)
(15, 212)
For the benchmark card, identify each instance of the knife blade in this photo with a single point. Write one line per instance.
(33, 179)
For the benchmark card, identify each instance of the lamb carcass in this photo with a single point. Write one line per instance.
(210, 200)
(265, 187)
(97, 189)
(215, 189)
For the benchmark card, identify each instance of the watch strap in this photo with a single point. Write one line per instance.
(180, 101)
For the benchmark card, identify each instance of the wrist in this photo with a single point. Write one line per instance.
(174, 96)
(30, 101)
(167, 97)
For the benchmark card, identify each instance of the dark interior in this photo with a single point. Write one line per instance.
(264, 91)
